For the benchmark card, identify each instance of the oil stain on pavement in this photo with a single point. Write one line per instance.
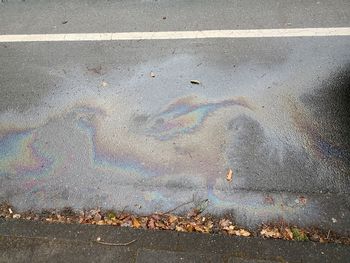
(98, 147)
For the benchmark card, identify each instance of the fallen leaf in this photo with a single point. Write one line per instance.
(210, 224)
(180, 229)
(172, 219)
(194, 212)
(151, 224)
(223, 223)
(136, 223)
(194, 81)
(100, 223)
(270, 232)
(242, 233)
(160, 225)
(288, 233)
(229, 175)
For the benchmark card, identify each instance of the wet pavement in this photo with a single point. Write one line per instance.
(119, 124)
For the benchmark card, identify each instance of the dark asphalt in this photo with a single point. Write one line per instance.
(85, 124)
(26, 241)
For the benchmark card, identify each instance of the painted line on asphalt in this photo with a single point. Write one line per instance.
(249, 33)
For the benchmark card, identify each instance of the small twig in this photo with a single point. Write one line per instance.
(329, 231)
(125, 207)
(180, 205)
(115, 244)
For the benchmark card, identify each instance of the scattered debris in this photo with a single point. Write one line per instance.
(194, 81)
(193, 222)
(96, 70)
(229, 175)
(64, 22)
(152, 74)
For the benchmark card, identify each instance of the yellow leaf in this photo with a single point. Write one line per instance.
(101, 222)
(229, 175)
(136, 223)
(172, 219)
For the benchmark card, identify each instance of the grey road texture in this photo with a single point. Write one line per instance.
(119, 124)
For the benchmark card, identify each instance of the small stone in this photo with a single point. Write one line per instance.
(104, 84)
(334, 220)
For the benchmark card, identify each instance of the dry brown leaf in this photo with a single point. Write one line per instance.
(180, 229)
(151, 224)
(189, 228)
(101, 222)
(229, 175)
(210, 224)
(241, 233)
(270, 232)
(201, 228)
(288, 233)
(136, 223)
(193, 213)
(224, 223)
(160, 224)
(172, 219)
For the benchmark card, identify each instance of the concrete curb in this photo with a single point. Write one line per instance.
(28, 241)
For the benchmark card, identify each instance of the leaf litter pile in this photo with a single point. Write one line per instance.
(194, 221)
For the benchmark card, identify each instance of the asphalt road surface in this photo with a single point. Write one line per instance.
(118, 124)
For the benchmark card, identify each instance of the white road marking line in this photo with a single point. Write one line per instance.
(249, 33)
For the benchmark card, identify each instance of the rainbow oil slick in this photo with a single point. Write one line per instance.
(184, 116)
